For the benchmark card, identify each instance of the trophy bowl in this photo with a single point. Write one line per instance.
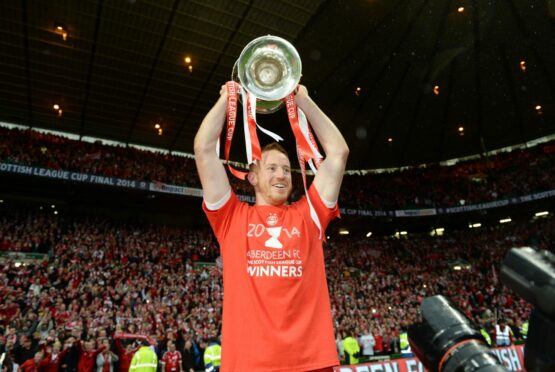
(269, 67)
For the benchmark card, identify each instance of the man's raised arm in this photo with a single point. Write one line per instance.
(211, 171)
(330, 173)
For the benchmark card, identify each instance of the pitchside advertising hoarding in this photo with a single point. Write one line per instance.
(512, 358)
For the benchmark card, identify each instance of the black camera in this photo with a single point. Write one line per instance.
(531, 274)
(446, 340)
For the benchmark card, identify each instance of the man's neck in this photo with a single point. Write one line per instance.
(261, 202)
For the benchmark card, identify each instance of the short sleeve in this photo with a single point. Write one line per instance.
(220, 219)
(325, 214)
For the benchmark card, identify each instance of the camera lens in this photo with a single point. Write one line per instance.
(446, 340)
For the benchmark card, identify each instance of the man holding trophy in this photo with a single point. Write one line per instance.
(276, 312)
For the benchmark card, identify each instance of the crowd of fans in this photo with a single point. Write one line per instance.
(505, 175)
(105, 286)
(55, 152)
(376, 286)
(103, 278)
(502, 176)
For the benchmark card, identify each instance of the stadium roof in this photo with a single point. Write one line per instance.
(424, 68)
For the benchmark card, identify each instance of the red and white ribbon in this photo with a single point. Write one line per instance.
(250, 124)
(231, 113)
(252, 145)
(307, 133)
(307, 149)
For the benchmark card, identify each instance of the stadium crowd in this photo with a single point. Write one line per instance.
(105, 286)
(104, 279)
(501, 176)
(376, 286)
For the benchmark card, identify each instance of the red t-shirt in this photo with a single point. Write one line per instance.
(87, 359)
(172, 361)
(378, 346)
(276, 312)
(125, 357)
(51, 362)
(29, 366)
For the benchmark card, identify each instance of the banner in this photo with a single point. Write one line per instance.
(72, 176)
(415, 212)
(365, 212)
(512, 357)
(498, 203)
(195, 192)
(23, 255)
(422, 212)
(173, 189)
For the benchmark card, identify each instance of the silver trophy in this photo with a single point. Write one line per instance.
(269, 68)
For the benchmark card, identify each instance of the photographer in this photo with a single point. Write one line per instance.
(447, 340)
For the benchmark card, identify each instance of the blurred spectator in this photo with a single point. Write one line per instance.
(171, 360)
(87, 355)
(25, 349)
(125, 353)
(33, 364)
(106, 360)
(6, 364)
(53, 356)
(502, 334)
(188, 357)
(351, 349)
(145, 359)
(69, 361)
(212, 356)
(367, 342)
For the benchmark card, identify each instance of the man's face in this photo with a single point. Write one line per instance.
(38, 357)
(272, 179)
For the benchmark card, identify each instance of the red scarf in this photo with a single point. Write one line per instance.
(106, 367)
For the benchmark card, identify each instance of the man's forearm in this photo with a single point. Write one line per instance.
(325, 130)
(211, 127)
(330, 173)
(210, 169)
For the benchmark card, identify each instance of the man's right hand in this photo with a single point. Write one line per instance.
(223, 92)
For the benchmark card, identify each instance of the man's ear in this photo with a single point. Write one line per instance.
(251, 177)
